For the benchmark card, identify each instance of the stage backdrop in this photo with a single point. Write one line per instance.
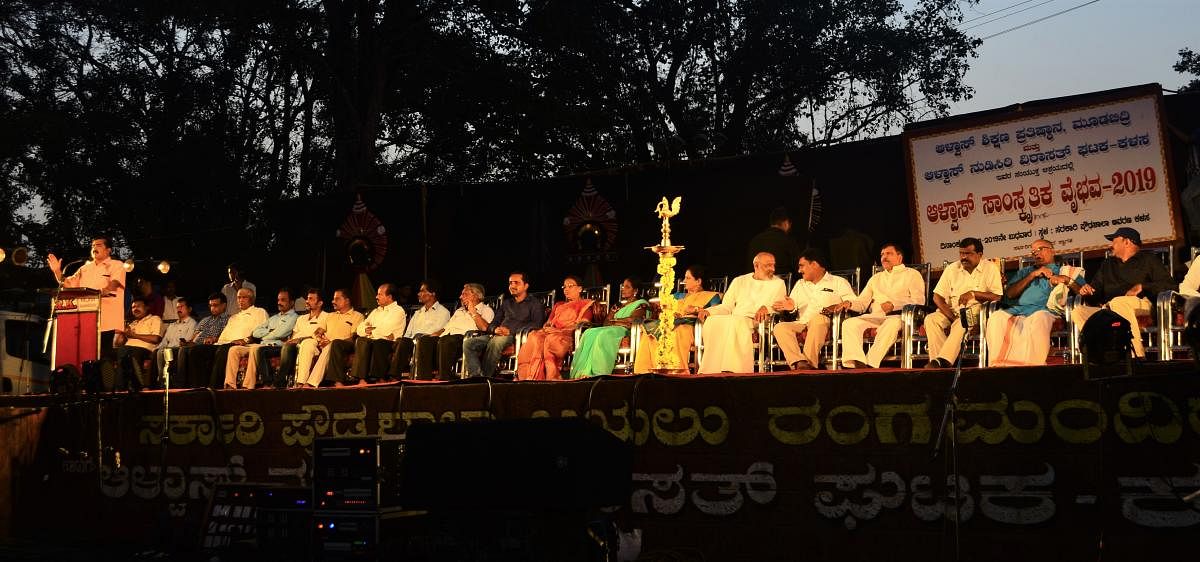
(1070, 172)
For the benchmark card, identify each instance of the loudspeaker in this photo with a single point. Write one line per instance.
(65, 380)
(1105, 341)
(530, 464)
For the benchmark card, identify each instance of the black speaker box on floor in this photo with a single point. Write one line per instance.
(531, 464)
(1105, 341)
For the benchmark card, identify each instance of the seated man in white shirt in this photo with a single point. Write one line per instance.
(1190, 288)
(812, 299)
(881, 300)
(373, 348)
(965, 285)
(237, 332)
(182, 330)
(471, 315)
(135, 344)
(728, 327)
(422, 334)
(314, 352)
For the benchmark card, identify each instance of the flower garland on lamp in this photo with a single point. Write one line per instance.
(665, 358)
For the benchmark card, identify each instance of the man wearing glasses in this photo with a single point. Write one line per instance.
(965, 285)
(1020, 334)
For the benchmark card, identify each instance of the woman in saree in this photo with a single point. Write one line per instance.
(597, 352)
(542, 354)
(691, 300)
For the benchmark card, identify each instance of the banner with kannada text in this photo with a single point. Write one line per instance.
(1070, 174)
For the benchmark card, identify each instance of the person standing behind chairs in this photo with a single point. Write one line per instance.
(422, 333)
(482, 351)
(691, 301)
(373, 347)
(776, 240)
(1125, 283)
(107, 275)
(885, 295)
(236, 283)
(471, 315)
(812, 300)
(965, 285)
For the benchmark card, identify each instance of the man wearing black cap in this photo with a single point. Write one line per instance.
(1126, 282)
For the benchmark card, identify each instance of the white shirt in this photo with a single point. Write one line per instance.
(900, 286)
(462, 322)
(746, 295)
(169, 312)
(387, 320)
(148, 325)
(1190, 286)
(241, 324)
(956, 281)
(307, 325)
(97, 275)
(185, 329)
(811, 297)
(231, 292)
(427, 320)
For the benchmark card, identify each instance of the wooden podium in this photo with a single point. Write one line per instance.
(76, 328)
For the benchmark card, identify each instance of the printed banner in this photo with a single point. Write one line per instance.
(1070, 176)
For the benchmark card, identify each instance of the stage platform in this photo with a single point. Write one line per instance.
(810, 465)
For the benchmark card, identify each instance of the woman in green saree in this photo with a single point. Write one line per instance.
(597, 351)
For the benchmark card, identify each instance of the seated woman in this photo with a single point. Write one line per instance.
(597, 353)
(691, 300)
(543, 352)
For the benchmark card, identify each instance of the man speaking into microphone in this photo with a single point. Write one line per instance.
(106, 275)
(964, 286)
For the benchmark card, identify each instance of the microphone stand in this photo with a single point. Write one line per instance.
(949, 424)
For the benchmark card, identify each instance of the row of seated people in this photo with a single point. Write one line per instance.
(1033, 301)
(322, 347)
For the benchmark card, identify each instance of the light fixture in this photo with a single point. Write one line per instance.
(20, 256)
(128, 265)
(2, 254)
(164, 267)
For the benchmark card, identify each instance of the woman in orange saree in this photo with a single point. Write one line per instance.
(541, 356)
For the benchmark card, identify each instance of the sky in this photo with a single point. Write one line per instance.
(1101, 45)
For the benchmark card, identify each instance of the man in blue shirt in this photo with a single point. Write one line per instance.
(270, 336)
(194, 355)
(515, 315)
(1020, 334)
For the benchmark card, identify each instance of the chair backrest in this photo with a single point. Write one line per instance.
(787, 280)
(717, 284)
(493, 301)
(547, 297)
(854, 276)
(600, 297)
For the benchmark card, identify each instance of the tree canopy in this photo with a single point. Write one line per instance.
(170, 123)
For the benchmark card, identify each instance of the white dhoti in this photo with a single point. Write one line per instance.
(1018, 340)
(887, 329)
(728, 344)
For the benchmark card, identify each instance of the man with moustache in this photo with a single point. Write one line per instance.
(728, 343)
(178, 332)
(237, 332)
(516, 314)
(135, 344)
(964, 286)
(373, 347)
(881, 301)
(106, 275)
(1020, 334)
(340, 326)
(267, 338)
(811, 300)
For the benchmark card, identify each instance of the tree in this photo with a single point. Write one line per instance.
(1189, 63)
